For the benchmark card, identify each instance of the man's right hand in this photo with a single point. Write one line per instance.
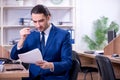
(23, 34)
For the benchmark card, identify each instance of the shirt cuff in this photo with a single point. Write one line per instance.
(18, 48)
(52, 69)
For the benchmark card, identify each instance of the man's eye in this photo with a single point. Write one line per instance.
(41, 20)
(35, 21)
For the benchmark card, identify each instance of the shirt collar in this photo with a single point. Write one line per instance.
(47, 31)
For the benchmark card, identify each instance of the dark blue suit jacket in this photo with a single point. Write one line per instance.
(58, 50)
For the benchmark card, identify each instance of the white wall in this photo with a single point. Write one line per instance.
(90, 10)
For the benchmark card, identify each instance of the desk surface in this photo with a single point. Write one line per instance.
(89, 59)
(113, 59)
(14, 74)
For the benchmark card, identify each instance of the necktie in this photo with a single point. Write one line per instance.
(42, 42)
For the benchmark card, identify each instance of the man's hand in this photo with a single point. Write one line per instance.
(45, 64)
(23, 34)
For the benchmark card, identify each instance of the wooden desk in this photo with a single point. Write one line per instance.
(92, 56)
(89, 60)
(13, 75)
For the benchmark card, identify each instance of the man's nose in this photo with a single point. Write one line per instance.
(38, 23)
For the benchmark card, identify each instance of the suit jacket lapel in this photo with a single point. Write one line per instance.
(50, 38)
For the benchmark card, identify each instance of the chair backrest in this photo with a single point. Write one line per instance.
(75, 67)
(75, 55)
(105, 68)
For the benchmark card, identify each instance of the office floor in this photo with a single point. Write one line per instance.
(81, 76)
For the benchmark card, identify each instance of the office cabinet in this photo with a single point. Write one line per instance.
(12, 11)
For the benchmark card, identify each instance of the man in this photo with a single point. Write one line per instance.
(57, 50)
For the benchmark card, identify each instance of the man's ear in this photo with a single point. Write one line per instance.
(48, 17)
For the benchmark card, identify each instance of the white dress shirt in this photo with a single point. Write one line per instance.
(46, 33)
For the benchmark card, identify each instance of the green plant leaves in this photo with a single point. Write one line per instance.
(101, 27)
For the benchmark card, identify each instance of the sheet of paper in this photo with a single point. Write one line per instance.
(31, 56)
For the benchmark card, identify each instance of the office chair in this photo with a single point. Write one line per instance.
(75, 68)
(85, 69)
(105, 68)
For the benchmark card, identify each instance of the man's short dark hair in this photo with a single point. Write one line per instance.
(39, 9)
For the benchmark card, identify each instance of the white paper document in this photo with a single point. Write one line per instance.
(31, 56)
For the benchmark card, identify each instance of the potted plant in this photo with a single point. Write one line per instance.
(99, 38)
